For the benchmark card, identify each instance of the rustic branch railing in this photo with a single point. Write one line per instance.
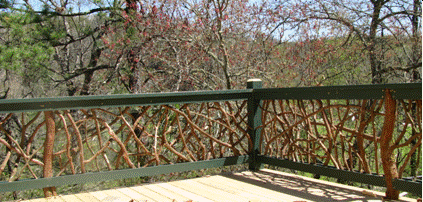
(354, 133)
(369, 134)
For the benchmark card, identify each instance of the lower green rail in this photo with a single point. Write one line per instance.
(120, 174)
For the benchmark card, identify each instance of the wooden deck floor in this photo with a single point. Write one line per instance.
(265, 185)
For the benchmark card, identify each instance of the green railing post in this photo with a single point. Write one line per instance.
(254, 122)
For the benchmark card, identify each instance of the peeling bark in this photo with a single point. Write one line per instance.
(48, 152)
(388, 161)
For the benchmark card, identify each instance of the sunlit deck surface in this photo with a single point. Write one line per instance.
(265, 185)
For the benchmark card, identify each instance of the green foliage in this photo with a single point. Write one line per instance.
(130, 32)
(15, 57)
(23, 52)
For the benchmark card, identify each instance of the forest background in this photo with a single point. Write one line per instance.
(52, 48)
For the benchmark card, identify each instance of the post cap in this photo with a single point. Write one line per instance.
(253, 80)
(254, 83)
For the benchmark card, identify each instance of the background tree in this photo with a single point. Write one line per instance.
(386, 29)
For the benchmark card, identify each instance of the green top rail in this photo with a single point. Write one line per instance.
(376, 91)
(84, 102)
(400, 91)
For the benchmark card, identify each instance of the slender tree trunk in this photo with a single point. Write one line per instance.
(222, 44)
(388, 162)
(134, 75)
(416, 50)
(375, 63)
(415, 77)
(48, 152)
(95, 56)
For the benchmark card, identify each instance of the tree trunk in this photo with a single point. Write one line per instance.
(416, 46)
(87, 80)
(388, 161)
(375, 63)
(415, 77)
(48, 152)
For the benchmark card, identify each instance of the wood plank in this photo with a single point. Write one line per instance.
(235, 187)
(102, 195)
(309, 186)
(174, 196)
(349, 191)
(134, 195)
(87, 197)
(302, 186)
(263, 193)
(51, 199)
(36, 200)
(144, 190)
(207, 191)
(264, 181)
(190, 195)
(260, 192)
(111, 195)
(71, 198)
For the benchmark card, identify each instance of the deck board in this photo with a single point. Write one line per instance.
(192, 196)
(111, 195)
(208, 192)
(86, 197)
(168, 193)
(265, 185)
(71, 198)
(151, 194)
(134, 194)
(246, 190)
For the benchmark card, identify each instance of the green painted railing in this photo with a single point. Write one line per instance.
(319, 130)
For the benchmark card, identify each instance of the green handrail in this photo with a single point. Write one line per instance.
(84, 102)
(376, 91)
(401, 91)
